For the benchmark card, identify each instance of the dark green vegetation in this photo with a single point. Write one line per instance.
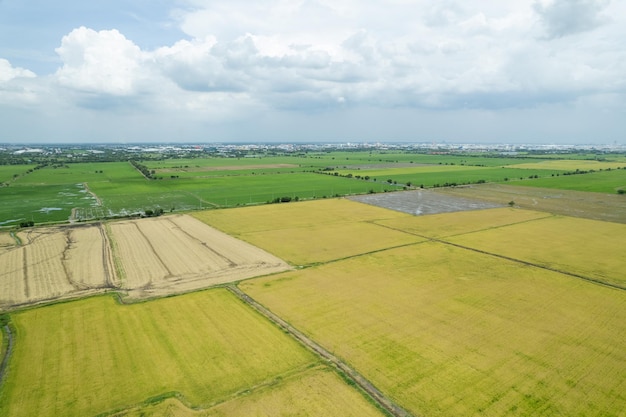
(67, 185)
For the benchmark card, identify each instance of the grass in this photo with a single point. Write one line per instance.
(93, 356)
(447, 331)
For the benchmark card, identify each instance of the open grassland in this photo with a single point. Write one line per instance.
(94, 356)
(9, 173)
(314, 392)
(311, 232)
(592, 249)
(448, 331)
(145, 258)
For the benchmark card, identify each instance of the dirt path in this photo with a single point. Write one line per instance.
(7, 354)
(381, 399)
(98, 201)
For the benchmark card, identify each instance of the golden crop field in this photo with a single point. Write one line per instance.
(442, 225)
(449, 331)
(314, 392)
(591, 248)
(95, 356)
(307, 232)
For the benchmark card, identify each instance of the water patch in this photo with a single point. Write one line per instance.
(47, 210)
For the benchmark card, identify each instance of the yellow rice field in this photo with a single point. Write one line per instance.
(307, 232)
(442, 225)
(591, 248)
(314, 392)
(94, 356)
(448, 331)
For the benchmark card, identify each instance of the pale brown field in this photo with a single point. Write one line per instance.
(6, 242)
(147, 257)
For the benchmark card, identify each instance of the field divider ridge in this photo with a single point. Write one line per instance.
(508, 258)
(375, 394)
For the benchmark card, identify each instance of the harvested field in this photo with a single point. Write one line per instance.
(148, 257)
(590, 205)
(423, 202)
(6, 242)
(175, 253)
(94, 356)
(448, 331)
(307, 233)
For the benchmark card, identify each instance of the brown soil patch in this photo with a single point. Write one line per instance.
(596, 206)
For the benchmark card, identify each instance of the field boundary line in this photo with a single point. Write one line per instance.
(381, 399)
(547, 268)
(520, 261)
(7, 354)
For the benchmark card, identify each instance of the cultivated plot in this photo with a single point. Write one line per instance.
(311, 232)
(589, 248)
(423, 202)
(314, 392)
(178, 253)
(145, 258)
(448, 331)
(94, 356)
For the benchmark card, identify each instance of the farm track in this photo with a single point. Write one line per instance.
(7, 354)
(107, 258)
(381, 399)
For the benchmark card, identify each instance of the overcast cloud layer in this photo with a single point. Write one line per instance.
(551, 71)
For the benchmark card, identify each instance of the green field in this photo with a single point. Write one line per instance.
(601, 182)
(60, 191)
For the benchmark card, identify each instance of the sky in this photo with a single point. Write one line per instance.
(456, 71)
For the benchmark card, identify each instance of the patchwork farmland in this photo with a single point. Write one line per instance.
(513, 310)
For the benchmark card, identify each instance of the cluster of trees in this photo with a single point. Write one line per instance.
(29, 223)
(153, 213)
(143, 169)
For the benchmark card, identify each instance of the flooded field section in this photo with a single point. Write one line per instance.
(421, 202)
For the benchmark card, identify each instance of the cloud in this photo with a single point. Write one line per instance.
(99, 62)
(567, 17)
(8, 72)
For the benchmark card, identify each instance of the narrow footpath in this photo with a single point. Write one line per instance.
(381, 399)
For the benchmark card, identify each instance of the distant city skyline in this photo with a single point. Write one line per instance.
(201, 71)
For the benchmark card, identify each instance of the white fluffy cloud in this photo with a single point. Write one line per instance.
(100, 62)
(8, 72)
(243, 60)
